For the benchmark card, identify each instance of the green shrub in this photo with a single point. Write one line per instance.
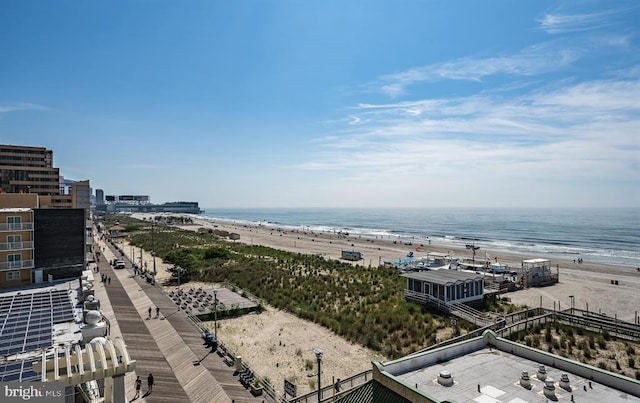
(547, 334)
(587, 354)
(536, 342)
(602, 343)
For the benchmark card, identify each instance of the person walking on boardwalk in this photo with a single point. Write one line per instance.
(157, 311)
(138, 387)
(149, 312)
(150, 381)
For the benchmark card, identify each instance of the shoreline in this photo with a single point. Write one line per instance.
(389, 249)
(541, 242)
(591, 284)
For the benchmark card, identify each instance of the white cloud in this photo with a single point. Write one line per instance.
(536, 59)
(562, 23)
(574, 133)
(21, 106)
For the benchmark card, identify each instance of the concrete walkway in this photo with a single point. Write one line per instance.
(169, 346)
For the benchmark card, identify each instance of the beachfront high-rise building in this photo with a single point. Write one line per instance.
(99, 197)
(26, 169)
(29, 182)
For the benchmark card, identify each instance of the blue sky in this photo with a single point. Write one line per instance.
(331, 103)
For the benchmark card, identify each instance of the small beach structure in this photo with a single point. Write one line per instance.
(448, 286)
(537, 272)
(435, 261)
(351, 255)
(400, 264)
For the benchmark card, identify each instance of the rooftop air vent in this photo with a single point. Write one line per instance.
(564, 382)
(445, 378)
(550, 389)
(542, 373)
(525, 382)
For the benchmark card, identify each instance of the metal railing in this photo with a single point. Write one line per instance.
(329, 392)
(18, 264)
(16, 245)
(457, 309)
(268, 391)
(24, 226)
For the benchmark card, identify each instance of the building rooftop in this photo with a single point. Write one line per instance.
(487, 369)
(34, 320)
(498, 373)
(538, 260)
(442, 276)
(15, 210)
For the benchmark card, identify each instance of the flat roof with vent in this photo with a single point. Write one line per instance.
(488, 369)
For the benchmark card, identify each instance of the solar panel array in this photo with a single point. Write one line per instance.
(26, 320)
(18, 371)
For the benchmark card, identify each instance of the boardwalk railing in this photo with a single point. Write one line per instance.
(460, 310)
(521, 320)
(328, 392)
(268, 391)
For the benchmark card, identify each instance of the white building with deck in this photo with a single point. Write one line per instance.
(448, 286)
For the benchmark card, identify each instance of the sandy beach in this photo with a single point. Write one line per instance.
(277, 343)
(589, 283)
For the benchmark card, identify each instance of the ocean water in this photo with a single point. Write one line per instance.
(609, 236)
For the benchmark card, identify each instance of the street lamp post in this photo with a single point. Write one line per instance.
(318, 352)
(215, 314)
(153, 252)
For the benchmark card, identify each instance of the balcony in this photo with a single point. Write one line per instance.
(20, 264)
(16, 245)
(25, 226)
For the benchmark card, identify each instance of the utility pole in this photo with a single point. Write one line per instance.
(153, 251)
(215, 314)
(318, 352)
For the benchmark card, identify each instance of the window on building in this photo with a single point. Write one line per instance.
(13, 275)
(14, 260)
(14, 222)
(12, 240)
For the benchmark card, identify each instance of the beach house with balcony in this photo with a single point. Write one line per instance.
(16, 247)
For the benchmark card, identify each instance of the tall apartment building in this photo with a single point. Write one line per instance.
(25, 169)
(28, 170)
(99, 197)
(44, 233)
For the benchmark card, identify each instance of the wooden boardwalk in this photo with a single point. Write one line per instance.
(169, 347)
